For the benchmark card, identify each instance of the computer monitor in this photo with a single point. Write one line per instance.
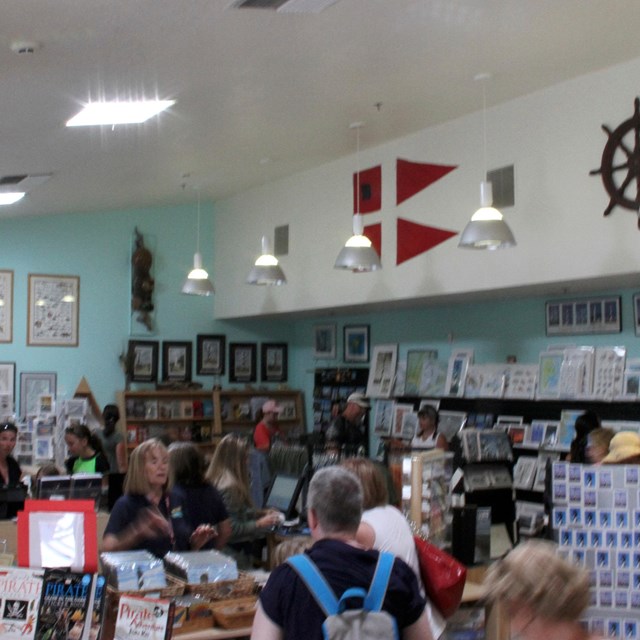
(283, 494)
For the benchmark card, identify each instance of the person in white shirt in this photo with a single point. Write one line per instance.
(427, 436)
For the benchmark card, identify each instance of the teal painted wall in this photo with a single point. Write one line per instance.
(97, 247)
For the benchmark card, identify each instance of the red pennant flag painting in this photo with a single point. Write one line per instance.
(374, 233)
(414, 239)
(370, 190)
(413, 177)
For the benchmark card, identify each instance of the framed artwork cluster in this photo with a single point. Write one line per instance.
(177, 360)
(355, 342)
(587, 315)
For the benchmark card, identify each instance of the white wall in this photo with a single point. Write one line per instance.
(553, 138)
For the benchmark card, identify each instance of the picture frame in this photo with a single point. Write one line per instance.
(32, 386)
(273, 361)
(143, 356)
(415, 382)
(550, 365)
(636, 313)
(383, 420)
(356, 343)
(584, 316)
(324, 341)
(6, 309)
(53, 310)
(176, 361)
(457, 373)
(210, 355)
(382, 373)
(8, 379)
(242, 362)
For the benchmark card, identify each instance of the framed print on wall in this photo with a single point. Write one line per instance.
(383, 371)
(8, 379)
(324, 341)
(6, 308)
(273, 360)
(52, 318)
(176, 361)
(210, 358)
(242, 362)
(587, 315)
(356, 343)
(143, 356)
(32, 386)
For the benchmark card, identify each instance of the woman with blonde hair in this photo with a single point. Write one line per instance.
(545, 595)
(229, 472)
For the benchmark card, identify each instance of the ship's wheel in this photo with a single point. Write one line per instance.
(620, 167)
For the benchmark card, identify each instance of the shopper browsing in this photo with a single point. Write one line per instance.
(200, 519)
(112, 440)
(267, 429)
(288, 610)
(427, 436)
(346, 432)
(10, 472)
(86, 451)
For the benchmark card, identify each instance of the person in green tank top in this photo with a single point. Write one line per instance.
(85, 449)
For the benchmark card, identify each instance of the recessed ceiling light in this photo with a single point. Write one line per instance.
(10, 197)
(112, 113)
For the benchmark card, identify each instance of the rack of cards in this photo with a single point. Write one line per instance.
(596, 522)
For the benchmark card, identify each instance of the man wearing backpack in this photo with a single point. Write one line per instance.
(289, 610)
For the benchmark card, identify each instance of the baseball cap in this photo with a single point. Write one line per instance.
(270, 406)
(360, 399)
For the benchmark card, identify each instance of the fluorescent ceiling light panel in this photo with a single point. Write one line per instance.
(111, 113)
(10, 197)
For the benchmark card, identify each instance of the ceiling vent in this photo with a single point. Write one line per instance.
(284, 6)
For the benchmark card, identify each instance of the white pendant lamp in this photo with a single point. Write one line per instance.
(266, 270)
(358, 254)
(487, 228)
(197, 282)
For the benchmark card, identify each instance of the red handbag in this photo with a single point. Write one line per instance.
(442, 575)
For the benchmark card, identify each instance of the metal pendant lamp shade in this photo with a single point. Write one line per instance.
(197, 282)
(487, 228)
(266, 270)
(358, 255)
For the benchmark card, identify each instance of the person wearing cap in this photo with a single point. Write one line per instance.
(346, 431)
(624, 448)
(427, 436)
(267, 429)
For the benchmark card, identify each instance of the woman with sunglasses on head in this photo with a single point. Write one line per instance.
(10, 472)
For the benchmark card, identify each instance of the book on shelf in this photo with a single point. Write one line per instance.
(144, 618)
(21, 591)
(132, 434)
(65, 605)
(524, 472)
(97, 607)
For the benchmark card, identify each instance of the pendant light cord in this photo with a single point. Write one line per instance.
(198, 227)
(358, 169)
(484, 125)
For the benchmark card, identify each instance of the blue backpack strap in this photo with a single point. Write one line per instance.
(315, 582)
(380, 582)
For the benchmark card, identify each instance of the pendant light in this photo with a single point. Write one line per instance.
(266, 269)
(197, 282)
(357, 254)
(487, 228)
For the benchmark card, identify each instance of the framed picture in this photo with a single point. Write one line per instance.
(176, 361)
(273, 360)
(32, 386)
(636, 313)
(587, 315)
(6, 309)
(242, 362)
(210, 358)
(52, 318)
(457, 373)
(383, 419)
(324, 341)
(143, 355)
(414, 382)
(383, 371)
(356, 343)
(550, 365)
(8, 379)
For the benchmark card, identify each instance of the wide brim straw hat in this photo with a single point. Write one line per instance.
(623, 446)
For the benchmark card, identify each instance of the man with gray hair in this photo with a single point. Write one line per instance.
(288, 610)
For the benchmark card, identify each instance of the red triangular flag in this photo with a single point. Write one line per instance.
(413, 177)
(414, 239)
(374, 233)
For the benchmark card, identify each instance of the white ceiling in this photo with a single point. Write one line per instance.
(253, 84)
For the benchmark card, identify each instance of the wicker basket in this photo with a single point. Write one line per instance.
(244, 586)
(112, 599)
(234, 614)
